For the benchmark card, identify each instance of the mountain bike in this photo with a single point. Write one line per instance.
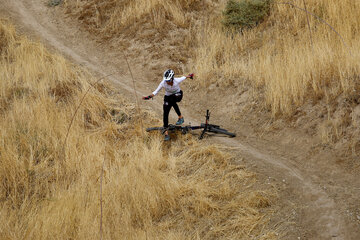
(206, 127)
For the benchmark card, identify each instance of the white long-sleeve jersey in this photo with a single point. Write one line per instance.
(169, 90)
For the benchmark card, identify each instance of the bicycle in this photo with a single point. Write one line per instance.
(205, 126)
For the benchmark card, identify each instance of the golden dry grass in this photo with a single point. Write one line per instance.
(150, 191)
(287, 67)
(278, 55)
(113, 16)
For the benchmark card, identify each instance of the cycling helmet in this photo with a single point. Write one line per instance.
(169, 75)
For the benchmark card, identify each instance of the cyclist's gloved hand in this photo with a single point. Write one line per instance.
(147, 97)
(191, 75)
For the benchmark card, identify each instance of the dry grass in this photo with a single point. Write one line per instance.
(289, 69)
(110, 17)
(150, 191)
(278, 56)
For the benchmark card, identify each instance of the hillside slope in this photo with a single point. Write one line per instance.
(54, 177)
(290, 159)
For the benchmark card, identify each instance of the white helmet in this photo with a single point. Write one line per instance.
(169, 75)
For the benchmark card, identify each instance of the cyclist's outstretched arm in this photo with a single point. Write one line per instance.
(154, 93)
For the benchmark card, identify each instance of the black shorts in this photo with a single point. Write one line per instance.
(174, 98)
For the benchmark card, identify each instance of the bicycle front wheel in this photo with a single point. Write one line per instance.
(222, 131)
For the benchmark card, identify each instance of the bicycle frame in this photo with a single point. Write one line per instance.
(205, 126)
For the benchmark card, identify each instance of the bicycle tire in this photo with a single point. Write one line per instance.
(170, 128)
(154, 128)
(194, 127)
(221, 131)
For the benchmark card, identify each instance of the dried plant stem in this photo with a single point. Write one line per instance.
(308, 23)
(135, 93)
(78, 107)
(101, 201)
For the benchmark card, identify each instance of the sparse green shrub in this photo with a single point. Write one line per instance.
(53, 3)
(245, 13)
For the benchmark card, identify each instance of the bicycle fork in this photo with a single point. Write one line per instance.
(206, 124)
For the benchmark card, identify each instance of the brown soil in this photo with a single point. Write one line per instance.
(319, 188)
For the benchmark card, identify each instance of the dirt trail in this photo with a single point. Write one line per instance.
(316, 212)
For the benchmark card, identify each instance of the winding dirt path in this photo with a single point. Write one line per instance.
(317, 212)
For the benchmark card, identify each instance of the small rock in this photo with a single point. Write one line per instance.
(358, 217)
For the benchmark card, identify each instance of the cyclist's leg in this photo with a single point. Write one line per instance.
(177, 98)
(166, 108)
(177, 109)
(181, 118)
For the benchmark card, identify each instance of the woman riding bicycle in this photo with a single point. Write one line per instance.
(173, 95)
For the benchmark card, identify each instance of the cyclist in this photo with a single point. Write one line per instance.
(173, 95)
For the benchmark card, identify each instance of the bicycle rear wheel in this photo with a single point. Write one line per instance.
(154, 128)
(221, 131)
(170, 128)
